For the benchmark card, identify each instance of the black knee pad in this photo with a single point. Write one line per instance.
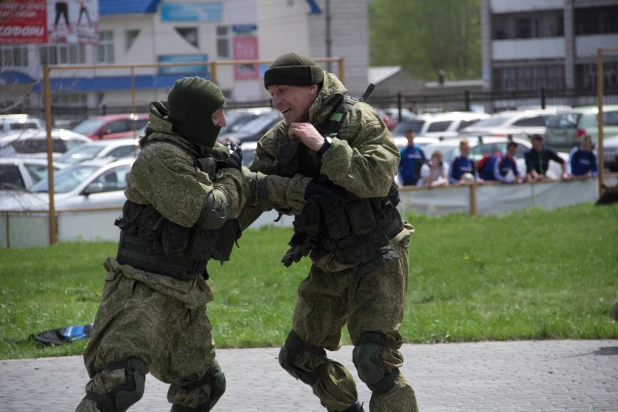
(130, 392)
(292, 348)
(369, 364)
(215, 379)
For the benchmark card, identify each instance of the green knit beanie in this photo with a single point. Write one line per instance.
(293, 70)
(192, 102)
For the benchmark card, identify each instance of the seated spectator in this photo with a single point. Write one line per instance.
(463, 171)
(583, 160)
(497, 167)
(537, 160)
(412, 157)
(433, 174)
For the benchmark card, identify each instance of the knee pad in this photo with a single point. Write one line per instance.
(127, 394)
(215, 379)
(369, 364)
(292, 348)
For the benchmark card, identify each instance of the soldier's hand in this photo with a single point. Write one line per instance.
(324, 191)
(235, 159)
(306, 133)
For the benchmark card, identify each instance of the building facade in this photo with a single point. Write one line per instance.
(189, 31)
(532, 44)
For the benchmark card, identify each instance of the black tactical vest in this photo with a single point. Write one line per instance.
(357, 229)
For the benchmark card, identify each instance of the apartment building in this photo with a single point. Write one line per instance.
(551, 44)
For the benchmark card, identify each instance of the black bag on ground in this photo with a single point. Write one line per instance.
(63, 335)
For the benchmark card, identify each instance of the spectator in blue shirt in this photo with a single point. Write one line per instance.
(462, 167)
(583, 160)
(497, 167)
(537, 160)
(412, 157)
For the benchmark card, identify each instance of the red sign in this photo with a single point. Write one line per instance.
(246, 48)
(23, 22)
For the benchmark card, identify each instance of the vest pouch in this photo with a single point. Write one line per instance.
(228, 234)
(130, 215)
(336, 220)
(295, 158)
(174, 239)
(361, 216)
(310, 219)
(149, 227)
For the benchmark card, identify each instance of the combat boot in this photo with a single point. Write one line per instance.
(357, 407)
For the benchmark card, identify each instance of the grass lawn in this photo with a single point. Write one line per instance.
(527, 275)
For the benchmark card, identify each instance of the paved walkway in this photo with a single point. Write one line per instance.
(488, 376)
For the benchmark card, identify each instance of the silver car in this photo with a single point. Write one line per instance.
(112, 149)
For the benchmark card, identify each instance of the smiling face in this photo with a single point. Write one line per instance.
(293, 101)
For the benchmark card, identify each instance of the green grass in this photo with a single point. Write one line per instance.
(527, 275)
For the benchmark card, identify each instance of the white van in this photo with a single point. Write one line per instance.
(19, 122)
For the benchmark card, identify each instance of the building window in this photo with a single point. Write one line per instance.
(586, 76)
(70, 99)
(13, 56)
(189, 34)
(63, 54)
(528, 25)
(528, 78)
(131, 35)
(106, 47)
(223, 42)
(596, 20)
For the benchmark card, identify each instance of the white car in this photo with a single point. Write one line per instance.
(402, 142)
(441, 125)
(18, 173)
(19, 122)
(491, 145)
(87, 185)
(111, 149)
(33, 143)
(514, 123)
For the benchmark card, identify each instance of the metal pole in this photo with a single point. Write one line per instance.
(341, 70)
(473, 199)
(467, 99)
(133, 106)
(213, 72)
(50, 168)
(543, 98)
(600, 118)
(399, 106)
(329, 40)
(8, 235)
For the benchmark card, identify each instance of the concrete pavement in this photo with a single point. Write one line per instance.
(518, 376)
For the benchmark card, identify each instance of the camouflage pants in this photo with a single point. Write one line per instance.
(374, 303)
(157, 319)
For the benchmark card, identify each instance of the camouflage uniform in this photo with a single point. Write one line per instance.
(153, 322)
(368, 298)
(613, 312)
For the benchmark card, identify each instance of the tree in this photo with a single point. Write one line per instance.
(427, 36)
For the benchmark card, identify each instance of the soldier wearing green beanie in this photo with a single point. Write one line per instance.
(339, 152)
(184, 193)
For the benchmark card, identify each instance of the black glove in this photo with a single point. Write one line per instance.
(303, 243)
(235, 159)
(322, 191)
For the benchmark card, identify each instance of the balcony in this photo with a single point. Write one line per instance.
(528, 49)
(586, 46)
(510, 6)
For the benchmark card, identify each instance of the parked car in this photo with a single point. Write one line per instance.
(252, 131)
(610, 153)
(402, 142)
(112, 126)
(19, 122)
(564, 130)
(490, 145)
(33, 142)
(248, 152)
(513, 122)
(441, 125)
(17, 173)
(237, 118)
(113, 149)
(91, 184)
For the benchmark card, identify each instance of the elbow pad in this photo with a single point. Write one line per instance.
(214, 215)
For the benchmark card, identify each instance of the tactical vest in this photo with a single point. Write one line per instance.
(150, 242)
(357, 229)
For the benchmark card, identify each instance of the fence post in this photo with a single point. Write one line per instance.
(104, 108)
(467, 99)
(543, 96)
(473, 199)
(399, 106)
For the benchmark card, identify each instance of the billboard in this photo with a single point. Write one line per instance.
(191, 11)
(23, 22)
(184, 58)
(73, 21)
(246, 48)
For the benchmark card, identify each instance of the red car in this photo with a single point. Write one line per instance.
(112, 126)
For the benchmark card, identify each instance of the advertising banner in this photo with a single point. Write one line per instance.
(23, 22)
(246, 48)
(73, 21)
(184, 58)
(191, 11)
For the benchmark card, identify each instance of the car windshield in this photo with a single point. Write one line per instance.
(564, 121)
(256, 125)
(238, 122)
(66, 180)
(448, 152)
(89, 126)
(80, 153)
(406, 125)
(490, 122)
